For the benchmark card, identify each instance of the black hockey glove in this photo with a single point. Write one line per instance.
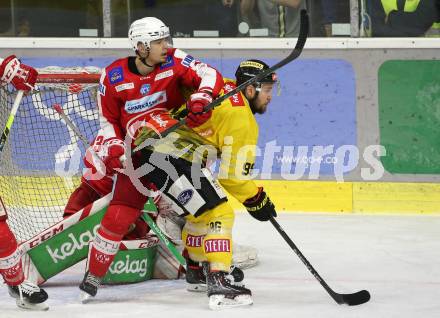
(260, 206)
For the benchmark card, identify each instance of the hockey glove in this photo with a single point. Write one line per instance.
(115, 158)
(196, 106)
(21, 76)
(260, 206)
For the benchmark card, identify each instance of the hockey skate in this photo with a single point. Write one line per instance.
(223, 293)
(196, 276)
(29, 296)
(89, 287)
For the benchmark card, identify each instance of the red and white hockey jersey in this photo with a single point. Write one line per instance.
(125, 97)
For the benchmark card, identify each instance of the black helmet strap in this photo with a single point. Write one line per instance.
(144, 59)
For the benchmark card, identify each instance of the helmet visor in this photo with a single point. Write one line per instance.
(168, 40)
(272, 78)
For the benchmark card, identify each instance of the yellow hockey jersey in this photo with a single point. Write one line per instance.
(233, 130)
(233, 133)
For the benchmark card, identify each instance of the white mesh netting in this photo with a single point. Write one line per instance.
(41, 163)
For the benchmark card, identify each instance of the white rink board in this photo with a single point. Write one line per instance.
(396, 258)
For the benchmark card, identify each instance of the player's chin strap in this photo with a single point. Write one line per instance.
(144, 59)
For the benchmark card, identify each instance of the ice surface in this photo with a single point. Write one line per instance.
(396, 258)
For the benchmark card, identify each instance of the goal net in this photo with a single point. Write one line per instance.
(41, 163)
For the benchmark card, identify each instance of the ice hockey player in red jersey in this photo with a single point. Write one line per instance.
(28, 295)
(138, 91)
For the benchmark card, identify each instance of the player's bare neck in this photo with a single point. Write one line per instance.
(142, 68)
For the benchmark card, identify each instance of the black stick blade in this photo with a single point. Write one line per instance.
(355, 299)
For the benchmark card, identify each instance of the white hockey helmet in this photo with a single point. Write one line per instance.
(146, 30)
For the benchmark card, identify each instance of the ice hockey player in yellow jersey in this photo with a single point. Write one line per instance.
(231, 134)
(233, 125)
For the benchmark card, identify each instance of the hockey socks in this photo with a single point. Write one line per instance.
(102, 252)
(10, 258)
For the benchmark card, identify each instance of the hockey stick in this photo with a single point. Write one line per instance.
(4, 138)
(153, 226)
(303, 33)
(164, 239)
(11, 118)
(353, 299)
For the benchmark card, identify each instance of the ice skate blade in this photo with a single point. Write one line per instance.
(196, 288)
(85, 297)
(218, 302)
(29, 306)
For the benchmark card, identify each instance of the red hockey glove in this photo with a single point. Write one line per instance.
(260, 206)
(23, 77)
(196, 105)
(115, 158)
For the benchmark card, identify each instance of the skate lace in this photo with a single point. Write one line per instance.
(227, 281)
(27, 288)
(93, 280)
(224, 279)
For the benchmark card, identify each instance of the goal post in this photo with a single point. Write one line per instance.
(41, 163)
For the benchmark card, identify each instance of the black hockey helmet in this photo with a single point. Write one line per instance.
(251, 68)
